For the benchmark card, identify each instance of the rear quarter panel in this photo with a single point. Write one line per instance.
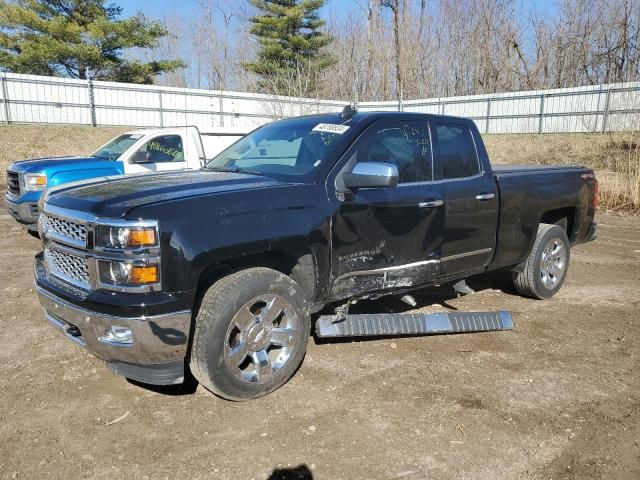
(524, 198)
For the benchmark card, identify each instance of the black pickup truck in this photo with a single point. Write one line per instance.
(220, 270)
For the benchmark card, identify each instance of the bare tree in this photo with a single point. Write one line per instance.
(401, 49)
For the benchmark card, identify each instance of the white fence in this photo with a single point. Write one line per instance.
(37, 99)
(591, 109)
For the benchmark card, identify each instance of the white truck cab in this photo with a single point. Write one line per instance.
(134, 152)
(172, 148)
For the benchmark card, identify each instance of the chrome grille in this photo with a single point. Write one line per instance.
(77, 232)
(13, 183)
(71, 268)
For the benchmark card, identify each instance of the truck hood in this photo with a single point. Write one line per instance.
(37, 165)
(115, 196)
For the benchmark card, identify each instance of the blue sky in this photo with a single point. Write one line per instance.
(159, 8)
(162, 8)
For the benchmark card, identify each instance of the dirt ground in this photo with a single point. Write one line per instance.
(557, 397)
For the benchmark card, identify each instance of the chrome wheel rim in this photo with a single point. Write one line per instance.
(261, 338)
(553, 263)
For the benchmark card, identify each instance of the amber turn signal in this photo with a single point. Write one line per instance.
(143, 275)
(142, 238)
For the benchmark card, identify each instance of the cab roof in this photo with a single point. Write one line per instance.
(336, 117)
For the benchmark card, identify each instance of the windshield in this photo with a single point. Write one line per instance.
(116, 147)
(289, 147)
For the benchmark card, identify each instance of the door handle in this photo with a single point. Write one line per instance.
(485, 196)
(431, 204)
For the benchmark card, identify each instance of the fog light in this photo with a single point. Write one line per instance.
(116, 335)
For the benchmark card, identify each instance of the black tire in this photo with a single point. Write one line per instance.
(536, 279)
(243, 298)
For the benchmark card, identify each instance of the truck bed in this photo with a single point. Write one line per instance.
(528, 191)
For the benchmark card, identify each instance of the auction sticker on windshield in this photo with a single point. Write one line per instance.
(330, 127)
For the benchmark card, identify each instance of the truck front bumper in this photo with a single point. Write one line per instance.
(24, 212)
(149, 349)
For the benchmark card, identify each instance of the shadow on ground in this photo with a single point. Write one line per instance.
(188, 387)
(301, 472)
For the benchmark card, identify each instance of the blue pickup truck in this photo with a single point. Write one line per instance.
(135, 152)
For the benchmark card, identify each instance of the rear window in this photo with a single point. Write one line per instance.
(457, 157)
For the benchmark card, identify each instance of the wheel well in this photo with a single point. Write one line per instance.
(563, 217)
(299, 264)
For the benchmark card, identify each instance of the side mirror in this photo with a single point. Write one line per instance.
(371, 175)
(142, 157)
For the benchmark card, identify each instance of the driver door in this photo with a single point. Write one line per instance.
(389, 238)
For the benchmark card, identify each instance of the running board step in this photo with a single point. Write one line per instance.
(392, 324)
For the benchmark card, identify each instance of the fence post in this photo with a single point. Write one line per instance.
(605, 114)
(443, 105)
(221, 107)
(486, 124)
(541, 121)
(92, 103)
(595, 117)
(160, 107)
(5, 99)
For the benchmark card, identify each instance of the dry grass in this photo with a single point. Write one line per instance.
(19, 142)
(614, 157)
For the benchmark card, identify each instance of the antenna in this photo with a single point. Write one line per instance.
(347, 112)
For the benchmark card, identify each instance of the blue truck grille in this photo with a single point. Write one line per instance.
(13, 183)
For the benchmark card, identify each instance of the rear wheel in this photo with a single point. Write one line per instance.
(546, 266)
(250, 335)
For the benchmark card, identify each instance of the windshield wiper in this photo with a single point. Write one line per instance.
(234, 170)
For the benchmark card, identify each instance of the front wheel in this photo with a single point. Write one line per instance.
(250, 335)
(546, 266)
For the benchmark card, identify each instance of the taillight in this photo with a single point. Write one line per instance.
(596, 190)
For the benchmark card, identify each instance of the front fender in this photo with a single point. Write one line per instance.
(200, 232)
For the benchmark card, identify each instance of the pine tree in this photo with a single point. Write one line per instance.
(82, 39)
(292, 46)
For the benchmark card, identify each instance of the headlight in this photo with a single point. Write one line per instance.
(121, 237)
(121, 275)
(35, 181)
(130, 260)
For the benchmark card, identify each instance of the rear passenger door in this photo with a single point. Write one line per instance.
(470, 199)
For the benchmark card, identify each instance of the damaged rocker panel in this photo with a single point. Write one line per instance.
(388, 278)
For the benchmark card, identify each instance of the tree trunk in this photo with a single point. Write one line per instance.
(395, 8)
